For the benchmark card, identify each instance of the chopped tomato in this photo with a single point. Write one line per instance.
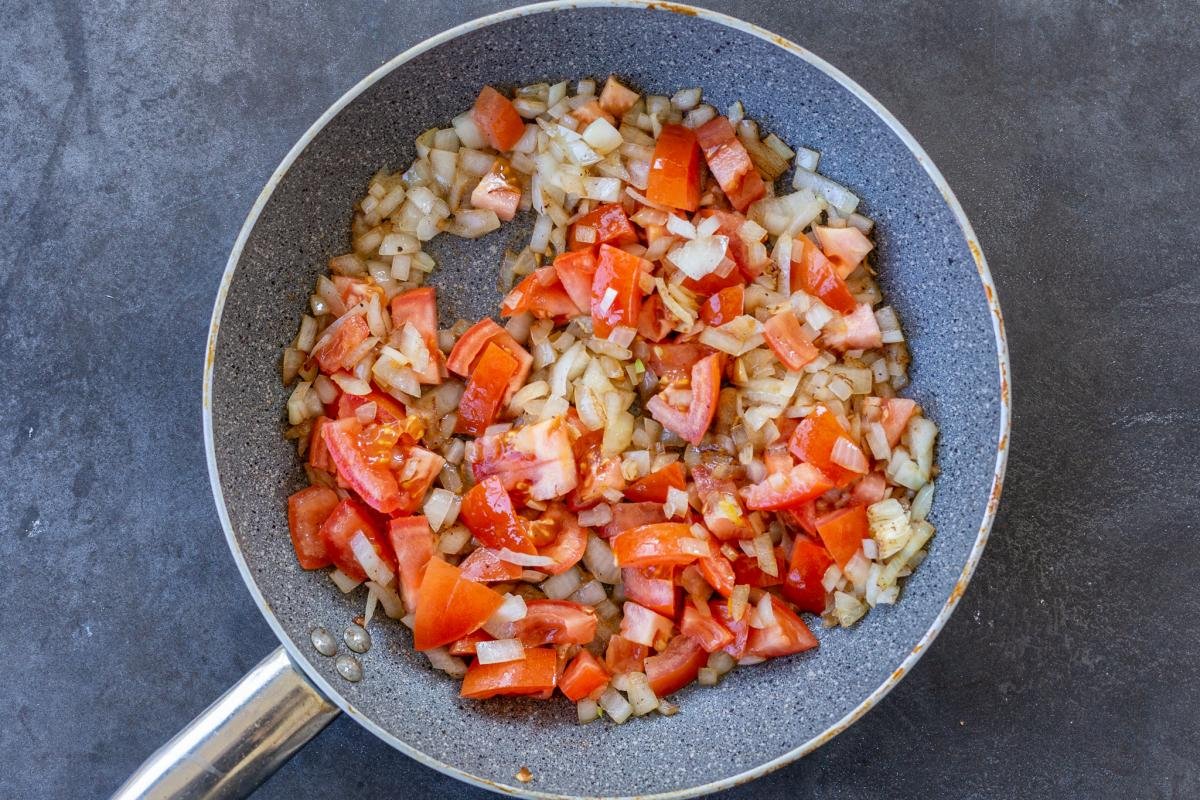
(387, 408)
(419, 307)
(498, 119)
(449, 606)
(705, 629)
(483, 398)
(616, 290)
(347, 520)
(729, 163)
(802, 483)
(815, 274)
(653, 324)
(534, 674)
(307, 511)
(856, 331)
(746, 570)
(722, 509)
(622, 656)
(843, 532)
(583, 676)
(653, 487)
(591, 111)
(498, 190)
(802, 586)
(611, 224)
(871, 489)
(897, 411)
(483, 565)
(488, 511)
(354, 290)
(786, 338)
(542, 295)
(615, 98)
(673, 361)
(318, 453)
(803, 516)
(350, 333)
(414, 544)
(692, 422)
(598, 473)
(788, 635)
(533, 459)
(652, 587)
(717, 570)
(652, 545)
(416, 473)
(740, 628)
(632, 515)
(724, 276)
(675, 667)
(750, 262)
(466, 645)
(643, 626)
(675, 169)
(575, 271)
(374, 482)
(723, 306)
(569, 544)
(844, 247)
(467, 351)
(813, 442)
(555, 622)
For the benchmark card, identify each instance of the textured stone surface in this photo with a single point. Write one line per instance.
(134, 139)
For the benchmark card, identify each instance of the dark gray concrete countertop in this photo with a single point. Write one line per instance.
(134, 139)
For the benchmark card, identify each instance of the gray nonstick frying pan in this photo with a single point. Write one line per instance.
(758, 719)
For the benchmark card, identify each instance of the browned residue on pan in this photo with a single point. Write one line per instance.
(673, 8)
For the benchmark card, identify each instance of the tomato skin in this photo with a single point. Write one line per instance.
(483, 398)
(843, 531)
(740, 628)
(449, 606)
(729, 163)
(723, 513)
(724, 306)
(583, 676)
(318, 453)
(787, 636)
(706, 631)
(632, 515)
(675, 667)
(542, 295)
(621, 272)
(622, 656)
(653, 545)
(468, 349)
(498, 190)
(652, 587)
(693, 422)
(813, 272)
(719, 573)
(483, 565)
(498, 119)
(786, 338)
(802, 483)
(414, 544)
(653, 487)
(675, 169)
(576, 269)
(597, 472)
(802, 586)
(611, 224)
(534, 459)
(535, 674)
(643, 626)
(555, 622)
(813, 442)
(347, 519)
(568, 546)
(350, 334)
(488, 511)
(419, 307)
(307, 511)
(375, 483)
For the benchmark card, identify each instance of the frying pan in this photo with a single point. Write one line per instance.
(760, 718)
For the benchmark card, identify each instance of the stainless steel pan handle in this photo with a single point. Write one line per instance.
(237, 742)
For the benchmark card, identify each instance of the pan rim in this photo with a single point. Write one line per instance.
(302, 662)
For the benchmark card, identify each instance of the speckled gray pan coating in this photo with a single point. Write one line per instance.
(759, 713)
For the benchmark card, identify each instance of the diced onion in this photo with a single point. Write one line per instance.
(364, 552)
(701, 256)
(562, 585)
(615, 705)
(393, 606)
(499, 651)
(524, 559)
(641, 697)
(441, 508)
(596, 516)
(591, 593)
(677, 503)
(600, 561)
(344, 582)
(587, 710)
(441, 659)
(848, 455)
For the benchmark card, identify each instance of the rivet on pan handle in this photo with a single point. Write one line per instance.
(237, 742)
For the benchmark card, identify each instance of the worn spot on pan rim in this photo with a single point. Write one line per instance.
(871, 104)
